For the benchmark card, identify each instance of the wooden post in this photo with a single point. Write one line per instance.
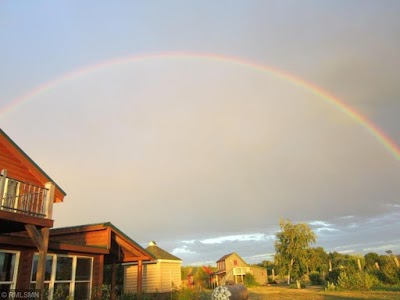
(113, 280)
(140, 279)
(330, 266)
(359, 264)
(49, 199)
(41, 240)
(2, 185)
(273, 274)
(377, 265)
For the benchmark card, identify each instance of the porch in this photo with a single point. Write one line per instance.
(234, 275)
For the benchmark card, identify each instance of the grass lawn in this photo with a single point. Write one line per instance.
(315, 293)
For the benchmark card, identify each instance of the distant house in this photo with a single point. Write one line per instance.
(159, 276)
(231, 268)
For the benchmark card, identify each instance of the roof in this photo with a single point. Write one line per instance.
(159, 253)
(91, 227)
(117, 240)
(33, 168)
(225, 257)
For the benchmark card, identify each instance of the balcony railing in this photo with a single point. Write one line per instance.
(24, 198)
(241, 270)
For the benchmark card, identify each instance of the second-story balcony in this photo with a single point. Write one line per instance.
(240, 271)
(24, 203)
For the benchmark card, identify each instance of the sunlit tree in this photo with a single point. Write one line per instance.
(291, 246)
(318, 260)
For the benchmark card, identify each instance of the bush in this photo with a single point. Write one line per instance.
(297, 285)
(249, 280)
(189, 294)
(333, 275)
(386, 287)
(357, 281)
(330, 286)
(316, 278)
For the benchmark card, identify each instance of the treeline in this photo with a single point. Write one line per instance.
(322, 267)
(296, 261)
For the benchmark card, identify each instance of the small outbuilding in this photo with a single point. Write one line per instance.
(161, 275)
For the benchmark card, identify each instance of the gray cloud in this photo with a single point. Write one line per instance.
(185, 150)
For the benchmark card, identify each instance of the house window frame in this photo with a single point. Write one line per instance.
(72, 282)
(12, 283)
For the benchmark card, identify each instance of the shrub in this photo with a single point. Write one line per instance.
(297, 285)
(330, 286)
(356, 281)
(249, 280)
(386, 287)
(316, 278)
(188, 294)
(333, 275)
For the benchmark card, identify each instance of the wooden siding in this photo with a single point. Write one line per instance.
(157, 278)
(230, 262)
(88, 238)
(151, 278)
(260, 275)
(170, 276)
(15, 168)
(19, 166)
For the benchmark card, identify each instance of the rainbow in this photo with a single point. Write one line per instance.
(376, 132)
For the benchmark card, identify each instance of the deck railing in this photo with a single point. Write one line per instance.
(24, 198)
(241, 270)
(233, 274)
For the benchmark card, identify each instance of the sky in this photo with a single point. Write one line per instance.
(200, 124)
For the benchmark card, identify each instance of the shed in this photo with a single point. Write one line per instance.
(159, 276)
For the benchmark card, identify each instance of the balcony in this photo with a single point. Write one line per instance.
(24, 203)
(240, 271)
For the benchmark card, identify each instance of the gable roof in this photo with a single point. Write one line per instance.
(223, 258)
(21, 167)
(159, 253)
(122, 248)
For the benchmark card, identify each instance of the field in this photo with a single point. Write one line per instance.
(314, 293)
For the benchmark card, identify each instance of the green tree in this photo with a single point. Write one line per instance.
(318, 260)
(371, 259)
(291, 246)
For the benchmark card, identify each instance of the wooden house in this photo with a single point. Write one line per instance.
(27, 195)
(62, 261)
(159, 276)
(231, 268)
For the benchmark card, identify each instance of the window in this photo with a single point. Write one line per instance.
(8, 269)
(66, 275)
(235, 262)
